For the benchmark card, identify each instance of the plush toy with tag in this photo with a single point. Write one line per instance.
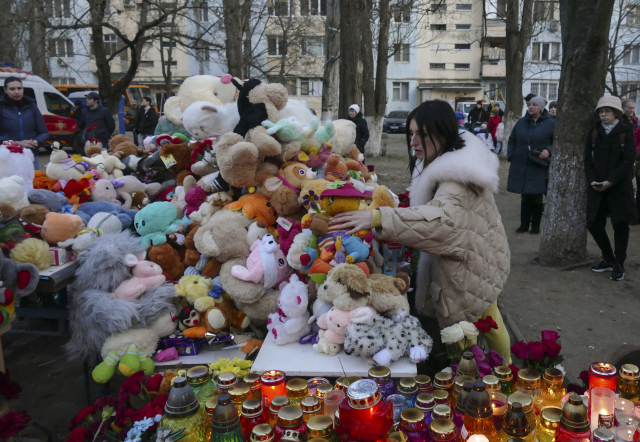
(266, 264)
(61, 166)
(291, 320)
(16, 280)
(155, 222)
(177, 159)
(285, 188)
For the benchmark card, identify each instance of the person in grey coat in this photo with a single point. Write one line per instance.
(534, 131)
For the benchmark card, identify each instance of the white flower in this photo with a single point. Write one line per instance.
(447, 370)
(452, 334)
(470, 330)
(561, 368)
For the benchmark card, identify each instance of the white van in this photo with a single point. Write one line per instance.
(56, 109)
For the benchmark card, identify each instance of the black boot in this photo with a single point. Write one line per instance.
(525, 216)
(536, 218)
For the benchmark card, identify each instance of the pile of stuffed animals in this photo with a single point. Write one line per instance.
(224, 231)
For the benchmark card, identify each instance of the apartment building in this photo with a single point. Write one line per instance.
(494, 67)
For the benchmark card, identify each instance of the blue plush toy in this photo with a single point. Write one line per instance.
(355, 249)
(155, 221)
(87, 210)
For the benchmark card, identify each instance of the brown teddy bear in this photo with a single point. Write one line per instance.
(348, 288)
(168, 259)
(192, 256)
(127, 148)
(34, 214)
(139, 199)
(355, 163)
(382, 197)
(336, 169)
(224, 236)
(285, 188)
(182, 155)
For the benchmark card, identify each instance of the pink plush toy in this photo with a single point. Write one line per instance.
(266, 264)
(194, 199)
(334, 324)
(320, 159)
(146, 275)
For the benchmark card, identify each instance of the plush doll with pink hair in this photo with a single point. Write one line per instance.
(146, 275)
(266, 264)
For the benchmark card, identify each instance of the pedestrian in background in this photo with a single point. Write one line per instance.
(629, 116)
(130, 115)
(21, 120)
(530, 146)
(485, 137)
(362, 130)
(478, 114)
(553, 109)
(608, 164)
(146, 119)
(99, 118)
(499, 138)
(494, 121)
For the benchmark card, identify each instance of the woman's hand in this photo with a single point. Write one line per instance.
(356, 219)
(544, 154)
(28, 143)
(601, 187)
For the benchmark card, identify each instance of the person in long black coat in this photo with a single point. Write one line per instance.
(609, 156)
(534, 131)
(362, 130)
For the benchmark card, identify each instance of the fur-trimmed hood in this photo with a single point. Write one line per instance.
(474, 164)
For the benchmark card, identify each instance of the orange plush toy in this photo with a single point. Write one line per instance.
(42, 181)
(255, 206)
(336, 169)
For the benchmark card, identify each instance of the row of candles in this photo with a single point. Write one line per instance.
(496, 409)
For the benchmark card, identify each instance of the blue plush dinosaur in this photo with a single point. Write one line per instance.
(355, 249)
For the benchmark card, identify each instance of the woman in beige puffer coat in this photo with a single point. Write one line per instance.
(453, 221)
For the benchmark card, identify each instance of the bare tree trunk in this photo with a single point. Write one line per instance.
(331, 77)
(376, 147)
(368, 82)
(36, 43)
(350, 55)
(564, 238)
(519, 30)
(234, 27)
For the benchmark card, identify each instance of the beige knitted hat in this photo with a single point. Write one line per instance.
(609, 101)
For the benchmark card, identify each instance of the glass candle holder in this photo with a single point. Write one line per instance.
(364, 416)
(529, 382)
(408, 388)
(182, 411)
(491, 382)
(208, 392)
(289, 419)
(441, 397)
(602, 402)
(574, 422)
(525, 401)
(425, 403)
(262, 433)
(310, 407)
(499, 408)
(603, 435)
(505, 376)
(479, 415)
(602, 375)
(277, 403)
(198, 377)
(272, 384)
(296, 390)
(460, 411)
(413, 425)
(343, 383)
(627, 419)
(399, 403)
(239, 393)
(251, 415)
(210, 406)
(516, 425)
(443, 381)
(314, 382)
(625, 433)
(382, 376)
(548, 424)
(442, 412)
(321, 427)
(321, 393)
(443, 430)
(553, 389)
(468, 366)
(458, 382)
(332, 401)
(624, 406)
(629, 382)
(253, 380)
(226, 381)
(424, 383)
(225, 423)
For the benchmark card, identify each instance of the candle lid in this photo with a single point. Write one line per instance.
(491, 382)
(297, 387)
(603, 369)
(225, 417)
(319, 426)
(441, 396)
(468, 366)
(343, 383)
(239, 392)
(553, 376)
(503, 373)
(529, 379)
(289, 416)
(575, 417)
(262, 433)
(550, 417)
(423, 381)
(627, 419)
(478, 402)
(310, 404)
(441, 412)
(272, 377)
(211, 405)
(226, 379)
(461, 380)
(198, 375)
(407, 386)
(442, 429)
(380, 374)
(629, 371)
(523, 398)
(253, 379)
(251, 408)
(515, 422)
(363, 394)
(603, 435)
(516, 439)
(443, 380)
(462, 398)
(182, 401)
(323, 389)
(412, 419)
(425, 402)
(277, 403)
(291, 436)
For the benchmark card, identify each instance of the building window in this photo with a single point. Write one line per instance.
(462, 66)
(172, 64)
(278, 8)
(633, 16)
(61, 8)
(463, 27)
(438, 46)
(312, 46)
(463, 46)
(438, 7)
(61, 47)
(202, 12)
(545, 52)
(463, 7)
(438, 27)
(402, 13)
(546, 90)
(401, 53)
(310, 87)
(202, 53)
(400, 91)
(631, 55)
(631, 90)
(146, 63)
(110, 44)
(63, 80)
(276, 46)
(313, 7)
(168, 44)
(57, 104)
(437, 66)
(544, 10)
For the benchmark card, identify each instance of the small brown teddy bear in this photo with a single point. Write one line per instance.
(34, 214)
(127, 148)
(348, 288)
(224, 236)
(355, 162)
(192, 256)
(168, 259)
(336, 169)
(182, 155)
(284, 188)
(139, 199)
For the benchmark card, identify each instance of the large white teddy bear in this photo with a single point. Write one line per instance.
(216, 90)
(12, 192)
(15, 160)
(291, 321)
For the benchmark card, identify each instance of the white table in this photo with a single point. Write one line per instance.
(302, 360)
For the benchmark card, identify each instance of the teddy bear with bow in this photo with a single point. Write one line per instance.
(291, 320)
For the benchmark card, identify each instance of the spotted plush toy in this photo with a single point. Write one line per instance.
(387, 341)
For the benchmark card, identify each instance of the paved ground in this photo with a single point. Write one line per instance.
(595, 317)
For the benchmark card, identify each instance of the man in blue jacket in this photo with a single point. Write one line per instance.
(21, 120)
(99, 118)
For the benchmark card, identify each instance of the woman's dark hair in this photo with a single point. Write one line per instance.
(11, 80)
(436, 119)
(148, 99)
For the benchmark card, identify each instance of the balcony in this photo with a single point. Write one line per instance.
(493, 68)
(496, 29)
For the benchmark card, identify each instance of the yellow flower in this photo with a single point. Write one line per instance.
(242, 363)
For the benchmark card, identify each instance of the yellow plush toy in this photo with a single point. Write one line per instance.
(193, 288)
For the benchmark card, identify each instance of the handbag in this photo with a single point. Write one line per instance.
(534, 157)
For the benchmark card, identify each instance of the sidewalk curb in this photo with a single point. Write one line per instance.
(511, 323)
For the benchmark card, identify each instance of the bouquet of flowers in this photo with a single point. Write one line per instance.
(13, 422)
(237, 366)
(469, 336)
(540, 355)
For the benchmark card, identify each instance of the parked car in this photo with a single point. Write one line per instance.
(396, 121)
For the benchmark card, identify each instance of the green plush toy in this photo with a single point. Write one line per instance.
(183, 137)
(131, 363)
(290, 129)
(286, 130)
(155, 221)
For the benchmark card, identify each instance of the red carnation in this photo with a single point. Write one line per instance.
(154, 382)
(482, 326)
(13, 423)
(550, 335)
(515, 370)
(132, 386)
(80, 417)
(520, 350)
(584, 377)
(553, 348)
(492, 323)
(537, 350)
(77, 435)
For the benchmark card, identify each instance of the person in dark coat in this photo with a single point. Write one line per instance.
(553, 109)
(629, 116)
(362, 130)
(608, 163)
(21, 120)
(146, 119)
(99, 118)
(478, 114)
(534, 131)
